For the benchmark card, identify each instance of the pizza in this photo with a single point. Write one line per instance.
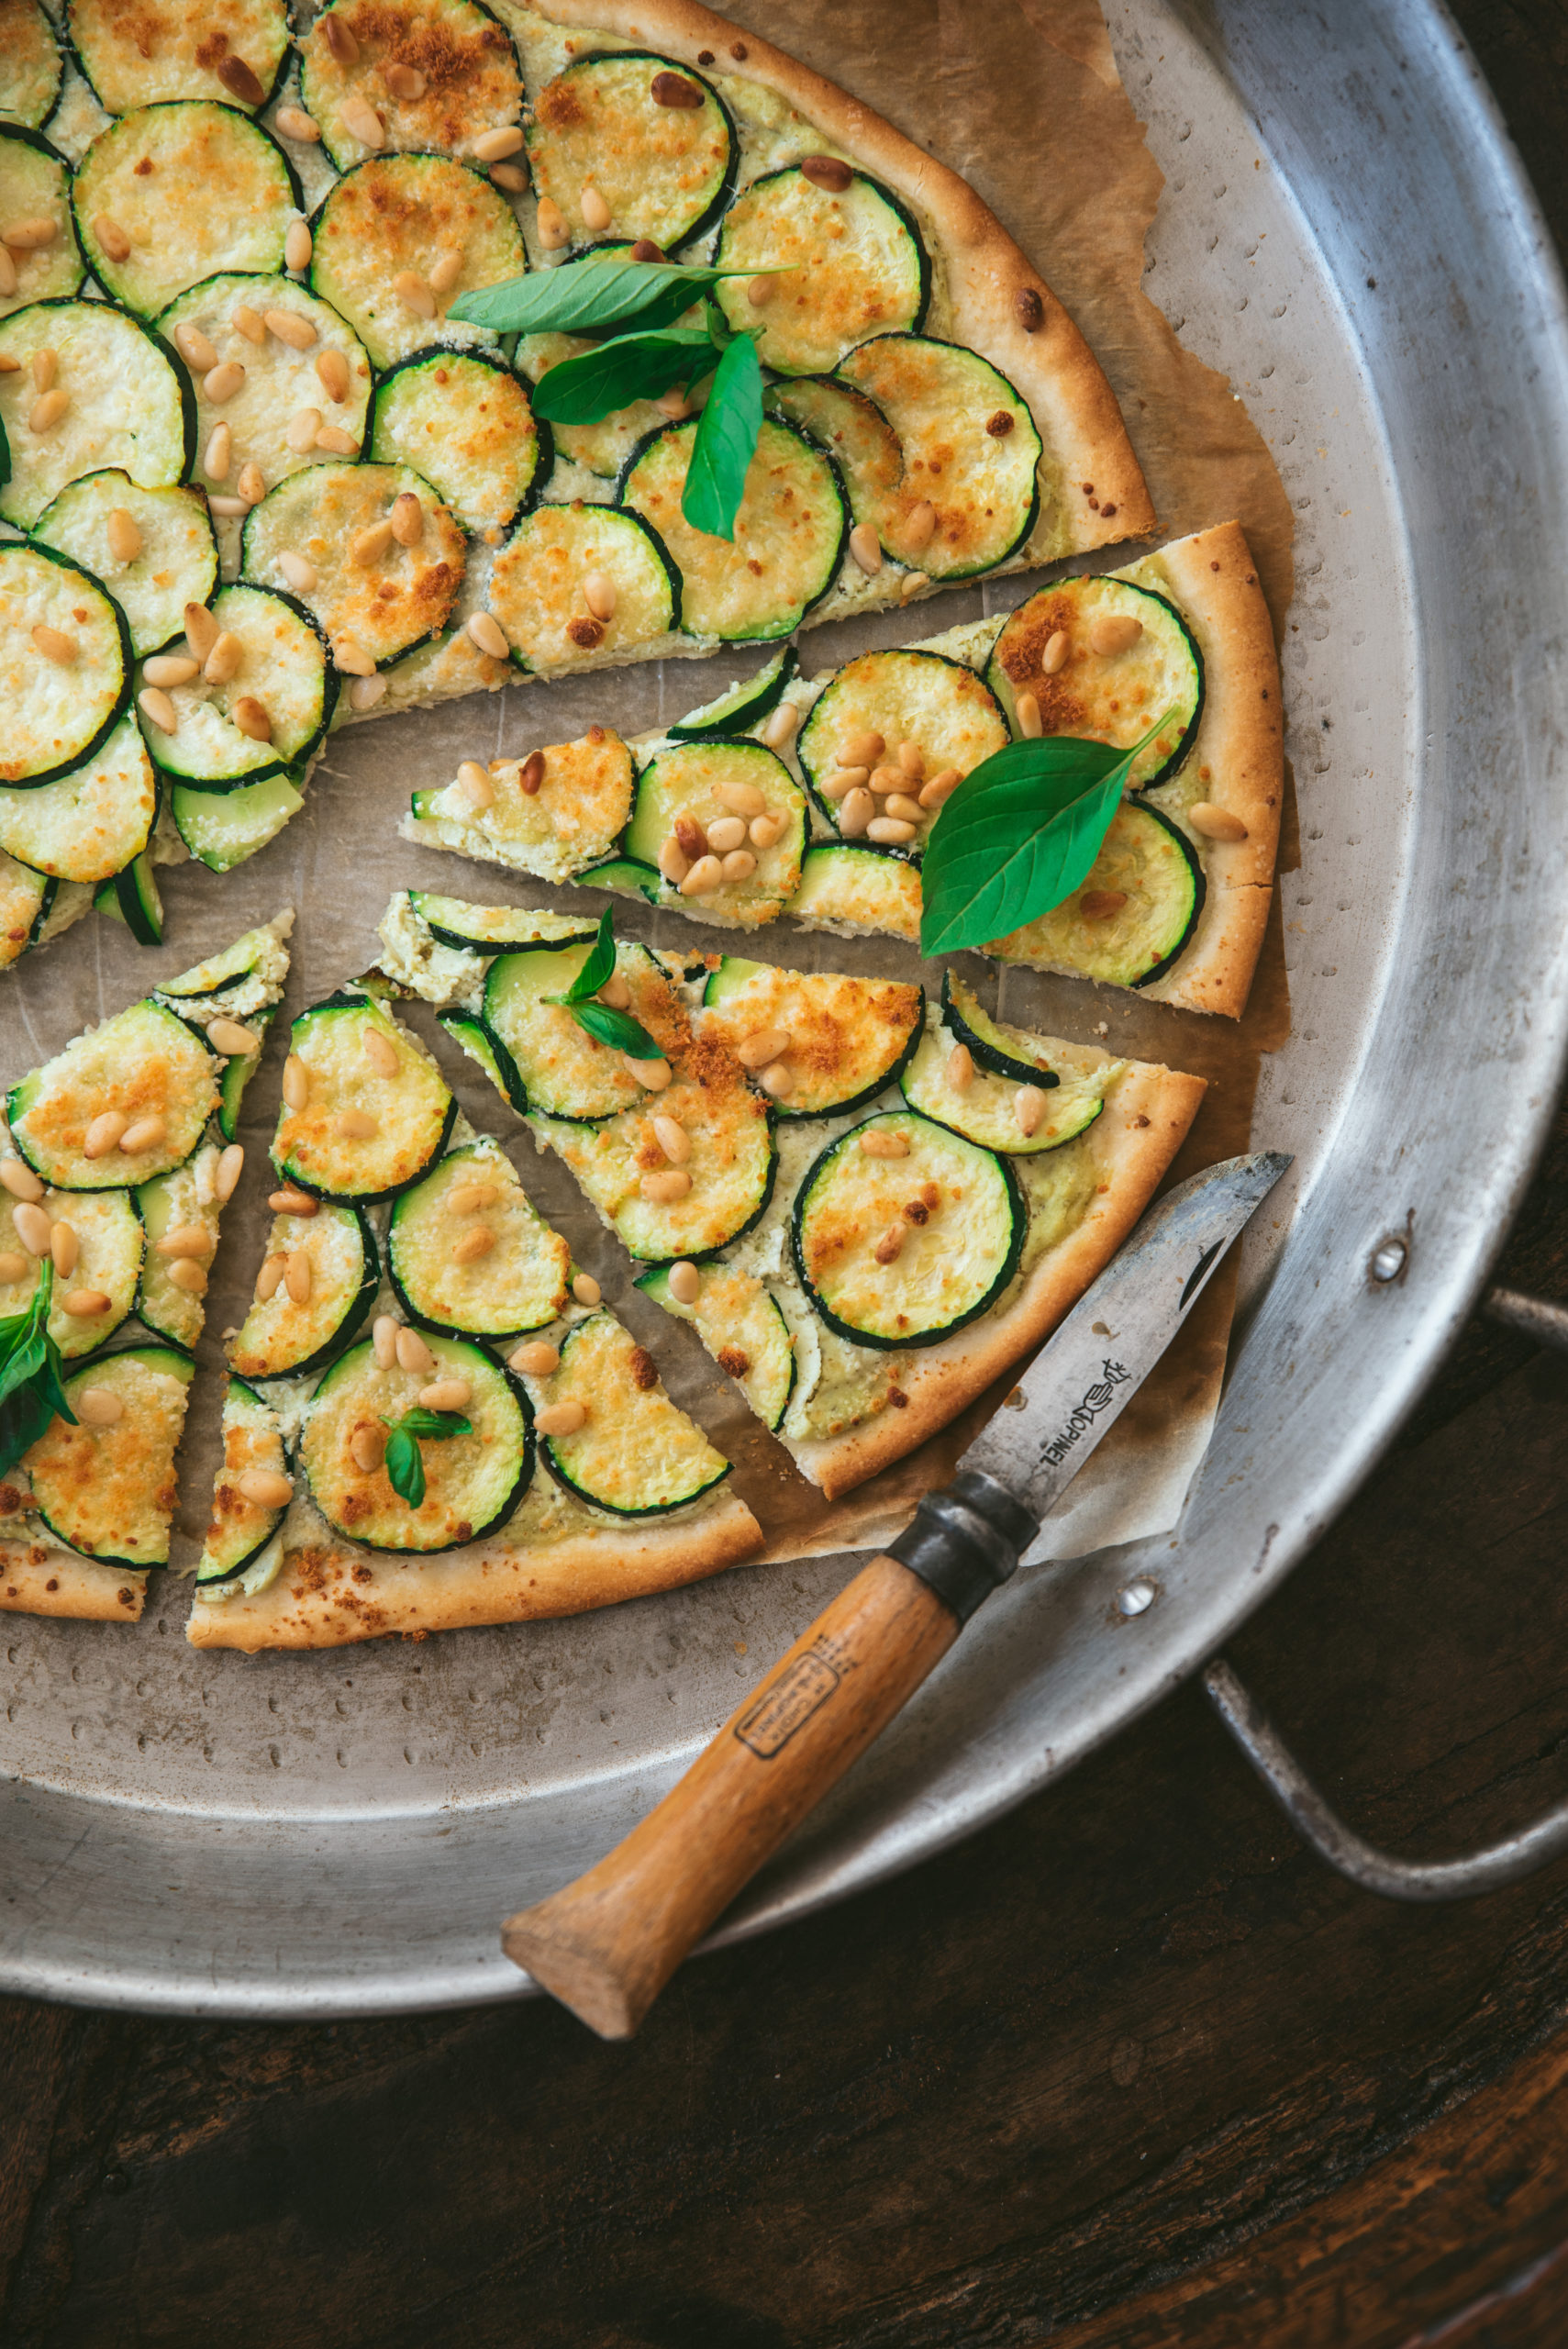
(118, 1157)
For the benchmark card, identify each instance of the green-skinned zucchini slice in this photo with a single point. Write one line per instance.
(413, 1111)
(849, 1039)
(25, 899)
(463, 420)
(853, 260)
(92, 823)
(491, 930)
(485, 1050)
(789, 537)
(858, 438)
(985, 1105)
(949, 1219)
(177, 562)
(944, 709)
(146, 1062)
(34, 185)
(59, 711)
(635, 1455)
(181, 1201)
(971, 448)
(224, 828)
(281, 1337)
(238, 1073)
(133, 897)
(282, 665)
(1133, 914)
(242, 1528)
(521, 1281)
(732, 1163)
(472, 1483)
(463, 59)
(109, 1240)
(164, 49)
(536, 587)
(398, 213)
(384, 607)
(743, 1328)
(280, 382)
(563, 1071)
(744, 706)
(665, 171)
(859, 891)
(624, 877)
(30, 63)
(1106, 689)
(576, 814)
(689, 779)
(259, 954)
(131, 405)
(197, 188)
(110, 1491)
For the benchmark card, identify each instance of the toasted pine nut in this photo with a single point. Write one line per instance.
(826, 171)
(290, 1201)
(909, 811)
(223, 661)
(692, 836)
(189, 1239)
(653, 1075)
(595, 212)
(34, 1228)
(265, 1487)
(767, 1044)
(890, 1247)
(413, 1353)
(554, 232)
(1030, 725)
(253, 488)
(886, 779)
(300, 575)
(98, 1406)
(414, 293)
(63, 1247)
(370, 544)
(843, 780)
(885, 1141)
(169, 669)
(8, 283)
(447, 1394)
(513, 177)
(918, 524)
(494, 146)
(202, 632)
(586, 1289)
(13, 1266)
(365, 692)
(383, 1338)
(777, 1081)
(1099, 905)
(293, 123)
(780, 726)
(340, 40)
(739, 865)
(1028, 1108)
(474, 787)
(352, 658)
(536, 1359)
(112, 238)
(355, 1125)
(912, 760)
(194, 347)
(30, 235)
(863, 751)
(673, 862)
(599, 595)
(296, 1276)
(759, 291)
(230, 1166)
(221, 383)
(219, 453)
(269, 1278)
(55, 645)
(102, 1136)
(530, 774)
(856, 813)
(685, 1284)
(468, 1198)
(240, 81)
(362, 122)
(940, 787)
(188, 1275)
(291, 326)
(296, 1082)
(21, 1182)
(249, 322)
(741, 799)
(445, 272)
(1054, 658)
(706, 875)
(560, 1418)
(332, 374)
(469, 1246)
(616, 993)
(960, 1068)
(673, 1139)
(251, 716)
(866, 549)
(765, 830)
(911, 584)
(86, 1304)
(382, 1053)
(675, 405)
(889, 831)
(296, 252)
(726, 832)
(407, 518)
(1113, 633)
(368, 1447)
(663, 1189)
(144, 1134)
(303, 427)
(124, 538)
(487, 634)
(336, 441)
(1215, 823)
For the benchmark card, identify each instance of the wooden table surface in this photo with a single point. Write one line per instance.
(1129, 2070)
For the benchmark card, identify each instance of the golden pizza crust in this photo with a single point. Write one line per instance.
(38, 1580)
(329, 1597)
(1133, 1141)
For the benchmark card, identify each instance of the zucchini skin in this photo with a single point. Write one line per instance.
(725, 193)
(1200, 892)
(907, 219)
(804, 747)
(746, 712)
(295, 760)
(996, 667)
(544, 454)
(988, 1055)
(348, 1328)
(459, 1024)
(79, 758)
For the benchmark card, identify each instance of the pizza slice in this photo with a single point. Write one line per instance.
(870, 1205)
(432, 1418)
(811, 798)
(119, 1155)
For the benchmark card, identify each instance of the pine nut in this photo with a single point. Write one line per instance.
(227, 506)
(911, 584)
(413, 1353)
(355, 1125)
(295, 123)
(249, 322)
(407, 518)
(560, 1418)
(599, 595)
(296, 254)
(362, 122)
(269, 1279)
(300, 575)
(125, 539)
(1114, 633)
(352, 658)
(765, 830)
(368, 1447)
(890, 1247)
(63, 1247)
(251, 716)
(738, 865)
(885, 1141)
(843, 780)
(447, 1394)
(513, 177)
(112, 238)
(1053, 660)
(675, 405)
(759, 292)
(706, 875)
(332, 374)
(188, 1275)
(1030, 725)
(616, 993)
(866, 549)
(143, 1134)
(487, 634)
(194, 349)
(685, 1284)
(202, 631)
(336, 441)
(219, 450)
(468, 1198)
(290, 326)
(54, 645)
(595, 210)
(33, 1227)
(265, 1487)
(221, 383)
(673, 862)
(886, 779)
(940, 787)
(726, 833)
(365, 692)
(673, 1139)
(777, 1081)
(13, 1266)
(1099, 905)
(494, 146)
(474, 787)
(919, 524)
(46, 412)
(382, 1053)
(856, 814)
(296, 1082)
(189, 1240)
(889, 831)
(780, 725)
(586, 1289)
(240, 81)
(691, 836)
(230, 1166)
(674, 90)
(102, 1136)
(653, 1076)
(296, 1276)
(756, 1051)
(383, 1339)
(741, 799)
(537, 1359)
(827, 172)
(340, 40)
(446, 272)
(469, 1246)
(30, 235)
(554, 232)
(662, 1189)
(169, 669)
(908, 811)
(1215, 823)
(414, 293)
(912, 760)
(405, 82)
(303, 427)
(960, 1068)
(86, 1304)
(251, 484)
(223, 661)
(1028, 1108)
(8, 282)
(370, 544)
(98, 1406)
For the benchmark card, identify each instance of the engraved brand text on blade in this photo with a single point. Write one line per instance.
(1083, 1416)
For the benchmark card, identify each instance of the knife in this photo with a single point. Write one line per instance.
(607, 1944)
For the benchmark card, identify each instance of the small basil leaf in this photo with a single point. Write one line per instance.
(430, 1424)
(404, 1467)
(31, 1392)
(580, 299)
(618, 1030)
(600, 964)
(725, 442)
(633, 367)
(24, 1416)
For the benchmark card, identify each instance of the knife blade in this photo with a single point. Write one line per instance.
(606, 1945)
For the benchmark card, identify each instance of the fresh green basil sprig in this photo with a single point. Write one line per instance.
(602, 1020)
(599, 297)
(1017, 836)
(31, 1394)
(630, 367)
(405, 1461)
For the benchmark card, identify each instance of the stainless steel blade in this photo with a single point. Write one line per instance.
(1082, 1380)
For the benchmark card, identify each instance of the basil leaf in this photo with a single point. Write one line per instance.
(599, 965)
(1017, 836)
(31, 1392)
(405, 1466)
(725, 442)
(430, 1424)
(577, 300)
(24, 1416)
(633, 367)
(618, 1030)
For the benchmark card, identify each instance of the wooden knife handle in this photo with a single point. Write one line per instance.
(607, 1944)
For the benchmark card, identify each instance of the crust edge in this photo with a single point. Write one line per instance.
(36, 1580)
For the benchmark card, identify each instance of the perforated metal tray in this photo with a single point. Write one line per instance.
(230, 1836)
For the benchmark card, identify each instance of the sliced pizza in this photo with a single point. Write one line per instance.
(871, 1206)
(432, 1418)
(119, 1157)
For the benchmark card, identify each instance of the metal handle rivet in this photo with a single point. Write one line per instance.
(1137, 1598)
(1389, 1261)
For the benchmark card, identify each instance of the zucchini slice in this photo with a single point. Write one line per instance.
(689, 779)
(281, 1338)
(849, 1039)
(985, 1106)
(789, 538)
(1111, 696)
(971, 448)
(177, 562)
(462, 56)
(110, 1492)
(1132, 916)
(259, 954)
(223, 827)
(197, 188)
(89, 824)
(577, 813)
(281, 383)
(536, 587)
(564, 1073)
(472, 1483)
(486, 1050)
(133, 897)
(635, 1453)
(624, 876)
(31, 66)
(954, 1211)
(490, 930)
(945, 709)
(386, 606)
(413, 1111)
(148, 1064)
(858, 437)
(398, 213)
(855, 266)
(521, 1281)
(34, 185)
(238, 1073)
(1004, 1051)
(859, 891)
(164, 49)
(242, 1528)
(743, 1328)
(131, 405)
(463, 419)
(110, 1241)
(181, 1201)
(59, 712)
(744, 706)
(282, 669)
(732, 1164)
(25, 899)
(665, 171)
